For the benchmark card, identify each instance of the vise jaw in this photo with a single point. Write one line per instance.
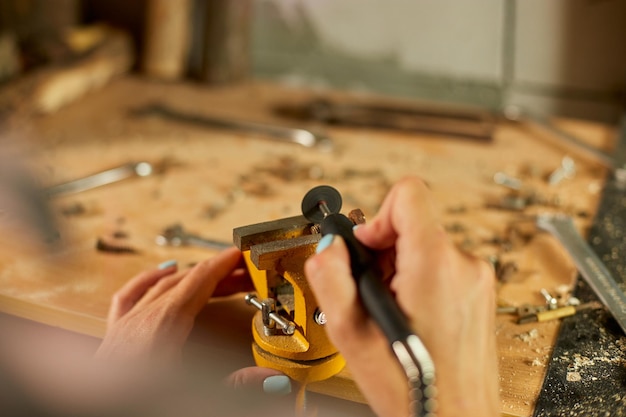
(288, 330)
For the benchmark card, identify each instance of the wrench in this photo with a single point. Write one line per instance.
(175, 235)
(304, 137)
(131, 169)
(588, 263)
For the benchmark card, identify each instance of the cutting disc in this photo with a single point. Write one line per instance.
(317, 195)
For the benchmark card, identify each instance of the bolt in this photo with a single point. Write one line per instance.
(550, 300)
(566, 170)
(501, 178)
(320, 317)
(287, 326)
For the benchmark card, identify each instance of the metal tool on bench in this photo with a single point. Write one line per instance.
(288, 330)
(109, 176)
(299, 136)
(176, 235)
(588, 263)
(455, 121)
(275, 253)
(544, 125)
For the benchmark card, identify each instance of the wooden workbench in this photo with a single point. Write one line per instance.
(218, 180)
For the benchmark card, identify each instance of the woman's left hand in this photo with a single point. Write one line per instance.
(152, 316)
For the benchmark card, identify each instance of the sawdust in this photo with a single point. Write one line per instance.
(529, 336)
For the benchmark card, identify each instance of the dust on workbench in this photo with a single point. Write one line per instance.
(222, 180)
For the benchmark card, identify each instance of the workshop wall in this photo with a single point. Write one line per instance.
(563, 56)
(566, 57)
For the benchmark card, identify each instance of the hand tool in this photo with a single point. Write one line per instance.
(129, 170)
(176, 235)
(321, 205)
(441, 120)
(557, 313)
(299, 136)
(588, 263)
(288, 330)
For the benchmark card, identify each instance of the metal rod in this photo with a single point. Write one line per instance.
(132, 169)
(288, 327)
(588, 263)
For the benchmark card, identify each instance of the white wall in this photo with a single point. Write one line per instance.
(562, 56)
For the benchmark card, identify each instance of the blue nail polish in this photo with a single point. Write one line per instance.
(167, 264)
(277, 385)
(324, 242)
(356, 226)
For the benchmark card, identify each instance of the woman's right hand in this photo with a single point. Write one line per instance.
(448, 295)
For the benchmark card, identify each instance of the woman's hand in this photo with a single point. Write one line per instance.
(152, 316)
(448, 295)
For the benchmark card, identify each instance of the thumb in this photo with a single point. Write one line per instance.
(330, 277)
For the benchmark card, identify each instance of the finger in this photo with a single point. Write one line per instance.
(351, 330)
(199, 284)
(161, 287)
(238, 281)
(255, 377)
(407, 208)
(329, 276)
(126, 297)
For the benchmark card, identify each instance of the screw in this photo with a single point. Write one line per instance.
(501, 178)
(320, 317)
(566, 170)
(550, 300)
(287, 326)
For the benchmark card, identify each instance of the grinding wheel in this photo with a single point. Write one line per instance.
(311, 202)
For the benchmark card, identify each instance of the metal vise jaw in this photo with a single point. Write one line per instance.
(288, 329)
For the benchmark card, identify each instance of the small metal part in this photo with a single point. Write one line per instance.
(268, 306)
(129, 170)
(420, 371)
(506, 310)
(319, 202)
(176, 235)
(551, 302)
(320, 317)
(556, 313)
(588, 263)
(566, 170)
(287, 326)
(357, 216)
(521, 311)
(508, 181)
(324, 208)
(104, 246)
(513, 202)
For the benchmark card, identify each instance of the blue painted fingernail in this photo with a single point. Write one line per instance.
(356, 226)
(167, 264)
(324, 242)
(277, 385)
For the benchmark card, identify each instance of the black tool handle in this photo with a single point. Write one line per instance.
(376, 297)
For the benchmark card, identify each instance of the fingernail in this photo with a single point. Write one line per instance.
(356, 226)
(167, 264)
(324, 242)
(277, 385)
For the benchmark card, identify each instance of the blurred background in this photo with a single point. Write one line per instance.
(561, 57)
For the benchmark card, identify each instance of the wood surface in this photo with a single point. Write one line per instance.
(217, 180)
(167, 38)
